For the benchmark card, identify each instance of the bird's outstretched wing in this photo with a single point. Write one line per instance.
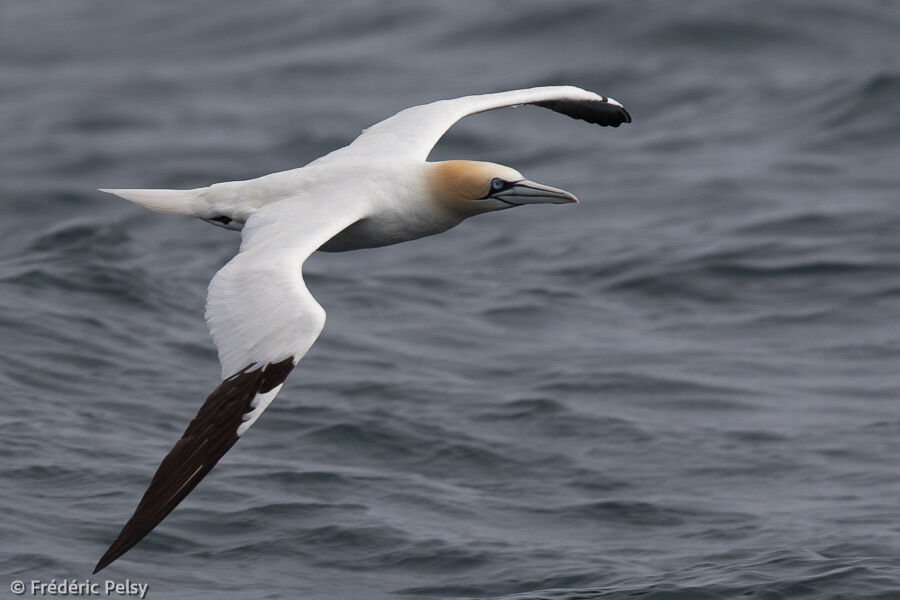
(263, 321)
(412, 133)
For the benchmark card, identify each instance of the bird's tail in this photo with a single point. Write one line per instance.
(175, 202)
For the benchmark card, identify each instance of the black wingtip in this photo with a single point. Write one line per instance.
(208, 437)
(104, 561)
(115, 550)
(599, 112)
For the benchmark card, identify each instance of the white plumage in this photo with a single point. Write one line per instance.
(378, 190)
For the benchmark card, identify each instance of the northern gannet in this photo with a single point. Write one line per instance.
(377, 191)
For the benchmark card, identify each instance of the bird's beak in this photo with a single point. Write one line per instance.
(529, 192)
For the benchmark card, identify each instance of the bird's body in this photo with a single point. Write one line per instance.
(379, 190)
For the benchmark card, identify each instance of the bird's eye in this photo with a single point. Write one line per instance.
(497, 184)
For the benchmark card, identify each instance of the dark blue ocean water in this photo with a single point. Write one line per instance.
(687, 386)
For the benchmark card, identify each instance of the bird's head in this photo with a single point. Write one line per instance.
(469, 187)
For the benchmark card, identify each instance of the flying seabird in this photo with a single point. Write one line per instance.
(377, 191)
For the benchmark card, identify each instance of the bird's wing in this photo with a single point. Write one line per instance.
(263, 321)
(412, 133)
